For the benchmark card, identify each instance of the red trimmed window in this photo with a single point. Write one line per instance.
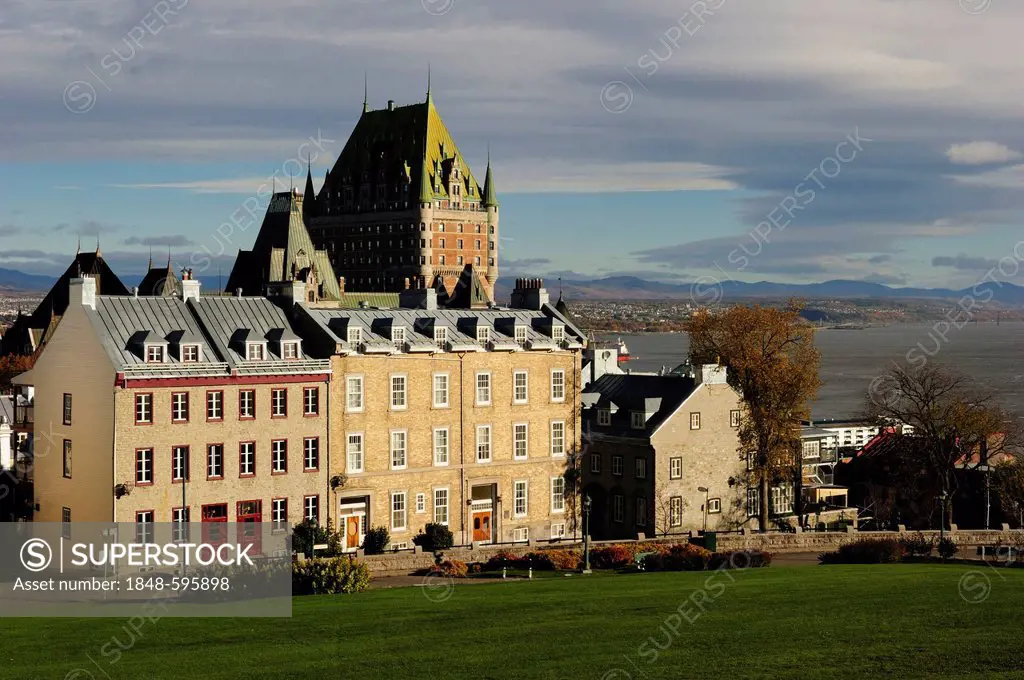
(179, 463)
(311, 401)
(311, 508)
(246, 404)
(279, 456)
(179, 407)
(311, 453)
(213, 516)
(278, 402)
(214, 461)
(247, 459)
(143, 467)
(215, 405)
(144, 408)
(278, 513)
(249, 515)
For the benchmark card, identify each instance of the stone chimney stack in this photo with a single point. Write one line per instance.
(6, 444)
(530, 294)
(189, 286)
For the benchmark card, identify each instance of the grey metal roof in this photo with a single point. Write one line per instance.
(7, 408)
(124, 322)
(419, 324)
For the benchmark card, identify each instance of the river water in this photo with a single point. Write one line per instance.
(851, 359)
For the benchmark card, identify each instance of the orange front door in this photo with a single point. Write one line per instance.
(482, 526)
(352, 532)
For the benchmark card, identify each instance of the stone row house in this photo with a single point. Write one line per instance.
(273, 409)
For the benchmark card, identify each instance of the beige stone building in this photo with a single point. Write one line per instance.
(661, 453)
(462, 417)
(166, 409)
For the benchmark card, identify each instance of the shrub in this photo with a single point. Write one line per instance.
(307, 534)
(865, 551)
(434, 537)
(476, 568)
(329, 576)
(377, 539)
(563, 559)
(538, 560)
(947, 548)
(611, 557)
(740, 559)
(917, 545)
(503, 558)
(679, 557)
(451, 568)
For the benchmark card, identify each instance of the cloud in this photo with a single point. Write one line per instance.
(9, 230)
(523, 264)
(964, 262)
(980, 153)
(95, 228)
(173, 241)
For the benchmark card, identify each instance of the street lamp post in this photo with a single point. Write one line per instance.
(942, 516)
(706, 492)
(586, 534)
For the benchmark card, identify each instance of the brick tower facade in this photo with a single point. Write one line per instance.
(401, 204)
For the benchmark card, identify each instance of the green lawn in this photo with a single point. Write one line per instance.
(784, 622)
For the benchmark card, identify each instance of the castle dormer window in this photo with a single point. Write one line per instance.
(557, 332)
(483, 335)
(520, 332)
(155, 354)
(355, 335)
(290, 350)
(190, 354)
(441, 336)
(255, 351)
(398, 335)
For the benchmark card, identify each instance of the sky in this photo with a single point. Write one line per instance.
(790, 141)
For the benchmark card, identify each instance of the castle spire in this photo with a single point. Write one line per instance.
(490, 195)
(308, 194)
(428, 83)
(150, 265)
(366, 94)
(426, 189)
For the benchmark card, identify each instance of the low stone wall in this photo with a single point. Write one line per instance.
(408, 562)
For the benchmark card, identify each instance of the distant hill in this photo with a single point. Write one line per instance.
(12, 279)
(630, 287)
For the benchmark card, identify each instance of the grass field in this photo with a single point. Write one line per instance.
(904, 620)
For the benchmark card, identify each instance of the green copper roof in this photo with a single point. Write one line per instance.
(404, 143)
(379, 300)
(490, 197)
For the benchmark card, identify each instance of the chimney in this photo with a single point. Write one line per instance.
(189, 286)
(6, 449)
(529, 294)
(341, 283)
(82, 291)
(391, 105)
(418, 298)
(238, 292)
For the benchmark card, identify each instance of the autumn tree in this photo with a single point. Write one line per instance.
(773, 364)
(12, 365)
(1008, 481)
(954, 423)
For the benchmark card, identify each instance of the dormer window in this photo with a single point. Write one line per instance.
(190, 354)
(441, 336)
(520, 332)
(483, 334)
(290, 350)
(398, 335)
(355, 335)
(638, 420)
(604, 416)
(254, 351)
(155, 354)
(557, 332)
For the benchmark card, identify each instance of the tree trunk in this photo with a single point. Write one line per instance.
(763, 516)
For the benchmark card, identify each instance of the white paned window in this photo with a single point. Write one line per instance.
(557, 494)
(558, 385)
(441, 506)
(398, 511)
(441, 446)
(398, 449)
(398, 393)
(483, 389)
(440, 390)
(354, 393)
(354, 452)
(521, 507)
(558, 438)
(520, 441)
(520, 387)
(483, 443)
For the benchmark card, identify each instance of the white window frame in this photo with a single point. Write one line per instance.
(516, 375)
(395, 509)
(352, 395)
(558, 530)
(179, 407)
(595, 463)
(520, 534)
(481, 444)
(247, 398)
(714, 506)
(483, 389)
(557, 385)
(753, 501)
(442, 388)
(191, 354)
(520, 498)
(441, 337)
(516, 441)
(558, 494)
(398, 335)
(441, 509)
(248, 457)
(179, 525)
(144, 473)
(520, 335)
(483, 333)
(311, 511)
(399, 447)
(278, 513)
(442, 453)
(604, 416)
(557, 442)
(278, 446)
(310, 401)
(421, 503)
(290, 350)
(399, 397)
(637, 420)
(695, 420)
(307, 450)
(557, 332)
(215, 405)
(144, 406)
(255, 351)
(180, 467)
(350, 449)
(354, 336)
(734, 418)
(215, 464)
(640, 468)
(275, 393)
(156, 354)
(675, 467)
(618, 465)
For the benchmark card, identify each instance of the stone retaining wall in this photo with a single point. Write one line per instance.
(408, 562)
